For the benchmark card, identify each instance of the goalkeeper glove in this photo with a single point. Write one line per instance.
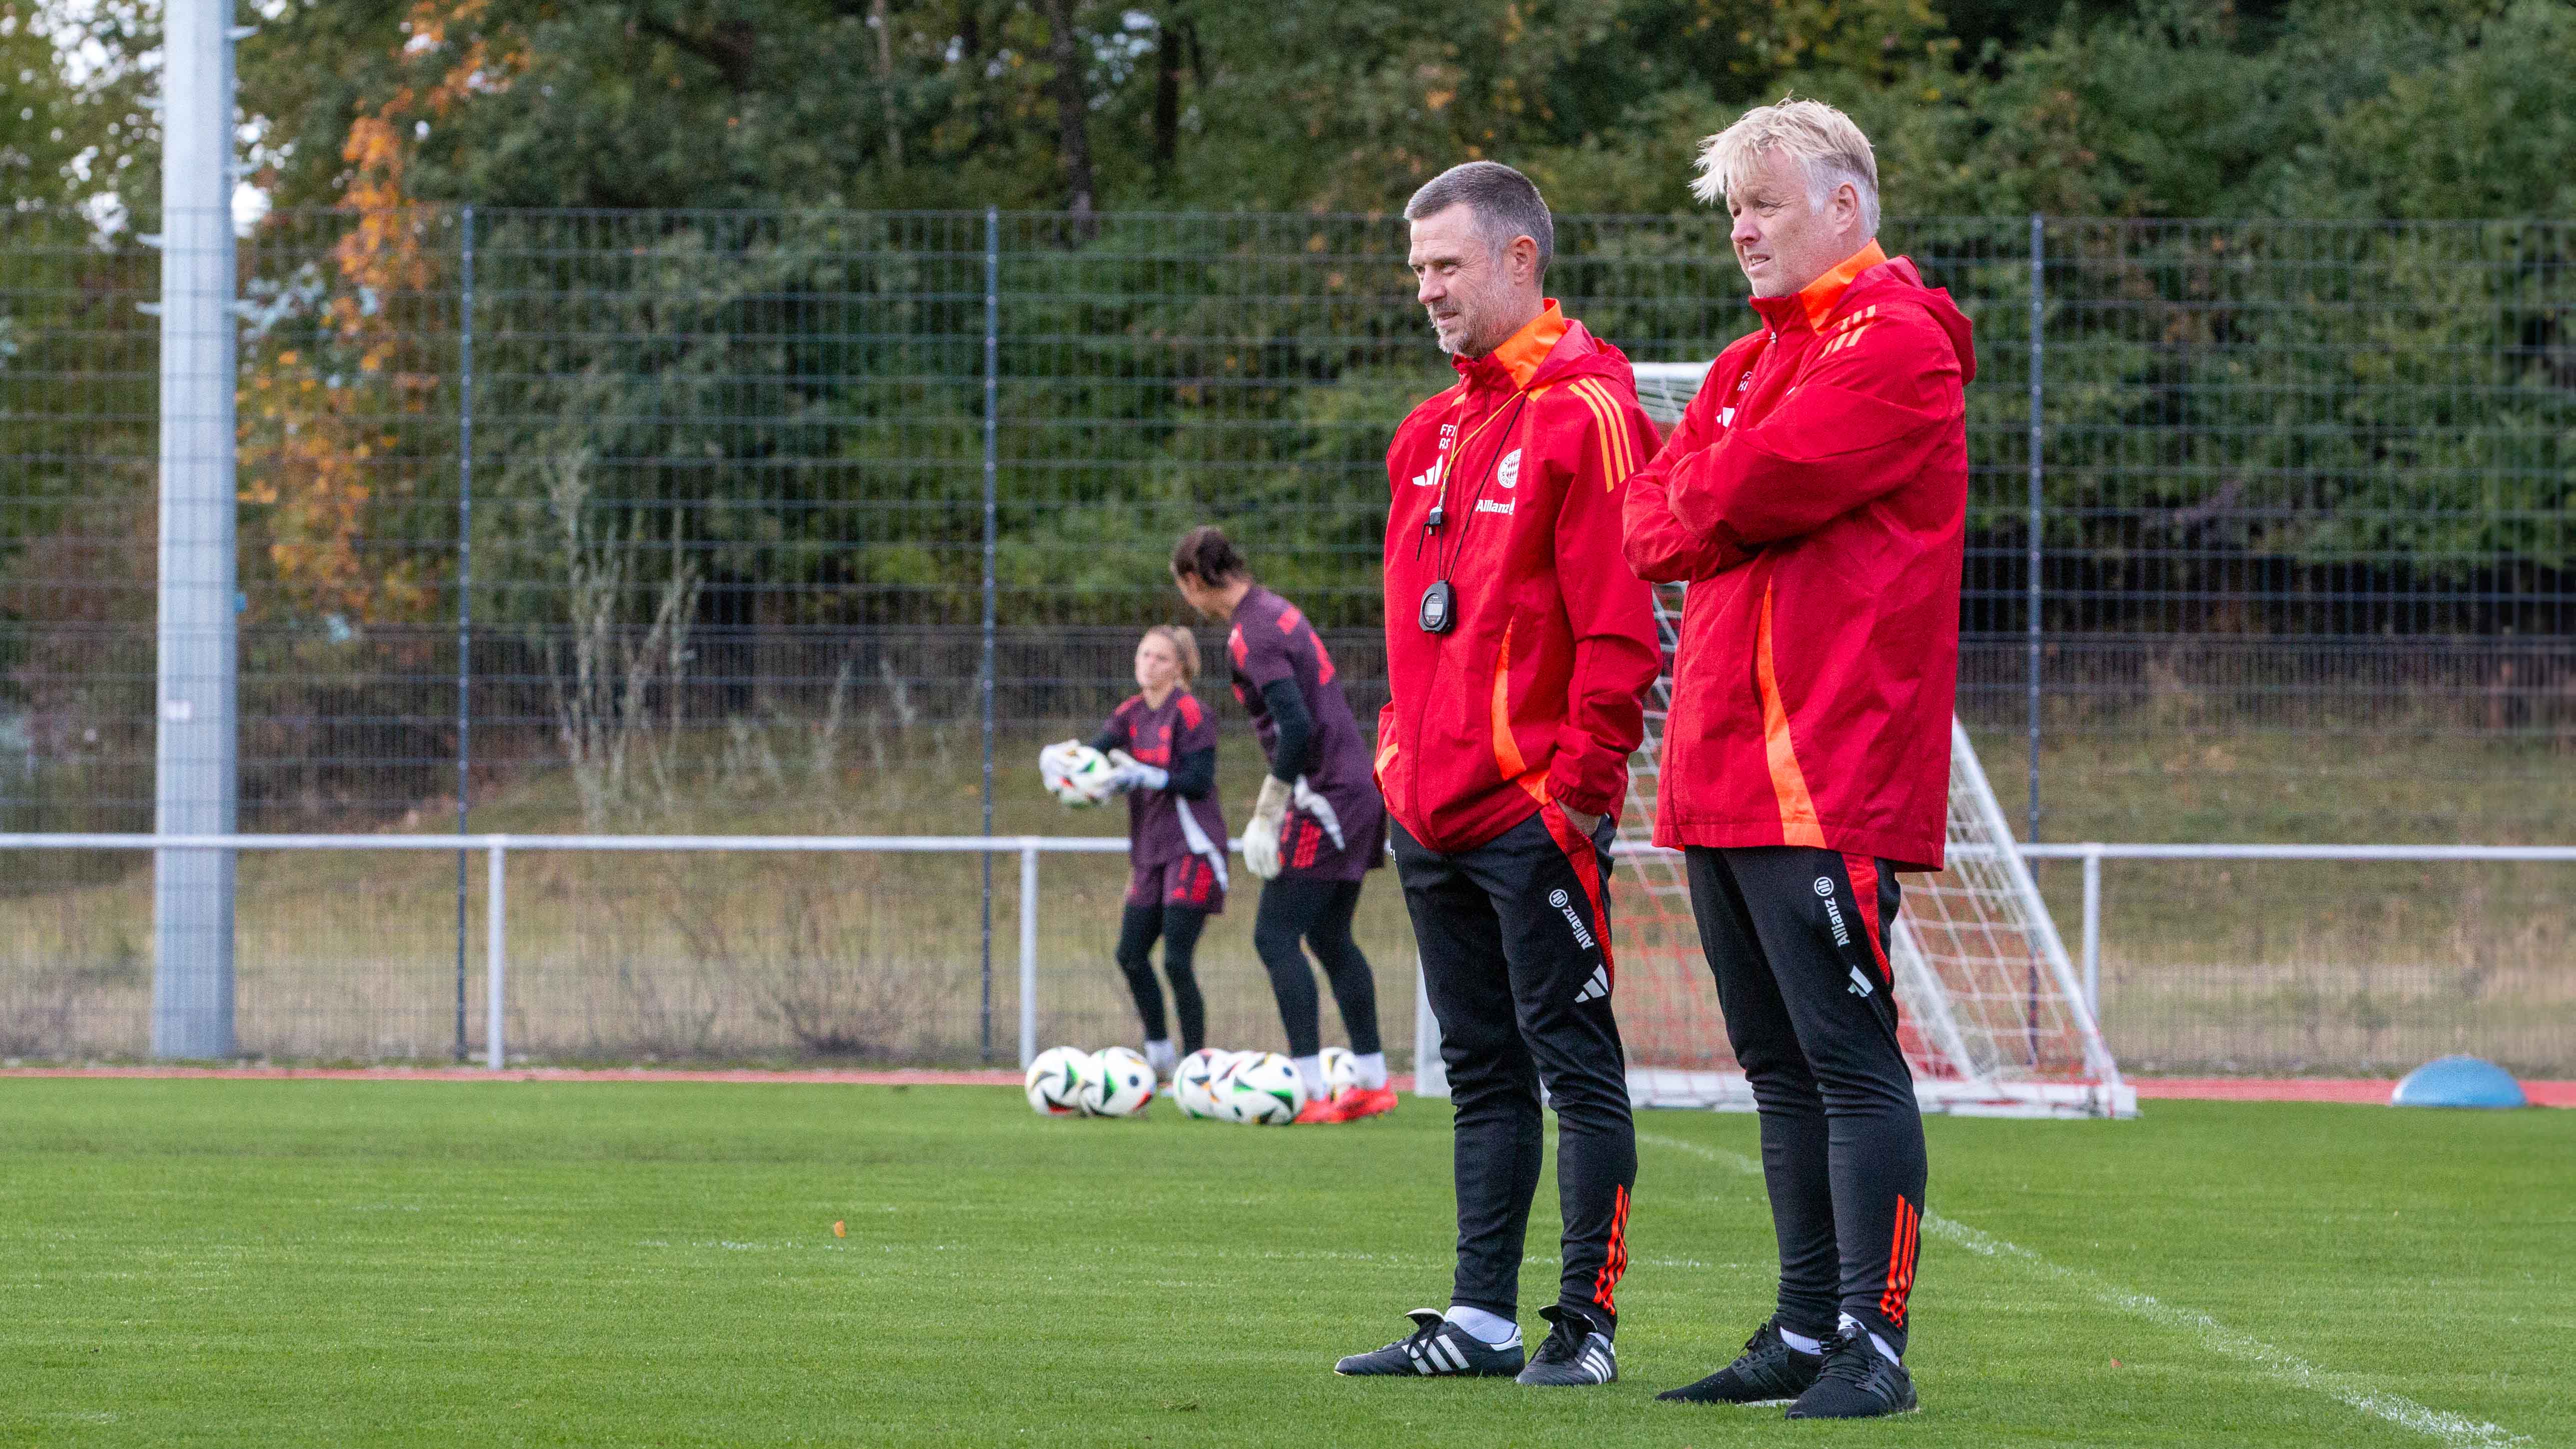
(1261, 836)
(1127, 773)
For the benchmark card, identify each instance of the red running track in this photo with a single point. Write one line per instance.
(2219, 1089)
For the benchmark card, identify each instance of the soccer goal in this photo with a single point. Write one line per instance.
(1994, 1020)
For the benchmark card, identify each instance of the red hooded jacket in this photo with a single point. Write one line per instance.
(1538, 691)
(1814, 499)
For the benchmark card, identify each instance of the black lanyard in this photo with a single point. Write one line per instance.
(1438, 612)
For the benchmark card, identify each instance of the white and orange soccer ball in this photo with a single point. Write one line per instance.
(1075, 773)
(1194, 1082)
(1341, 1069)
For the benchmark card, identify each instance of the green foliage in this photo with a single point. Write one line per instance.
(2175, 108)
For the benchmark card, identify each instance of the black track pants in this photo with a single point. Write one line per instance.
(1798, 938)
(1516, 956)
(1179, 928)
(1318, 912)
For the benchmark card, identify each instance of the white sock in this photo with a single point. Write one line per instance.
(1160, 1056)
(1876, 1342)
(1491, 1329)
(1801, 1342)
(1372, 1069)
(1310, 1070)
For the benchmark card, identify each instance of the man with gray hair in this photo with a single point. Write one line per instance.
(1814, 499)
(1518, 656)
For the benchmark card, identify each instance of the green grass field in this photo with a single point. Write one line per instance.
(282, 1263)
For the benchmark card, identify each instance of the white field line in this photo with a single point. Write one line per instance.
(2277, 1364)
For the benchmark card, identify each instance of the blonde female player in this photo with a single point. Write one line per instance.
(1162, 744)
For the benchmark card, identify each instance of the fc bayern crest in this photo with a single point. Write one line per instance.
(1509, 474)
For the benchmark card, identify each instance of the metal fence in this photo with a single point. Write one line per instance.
(698, 521)
(2294, 481)
(860, 949)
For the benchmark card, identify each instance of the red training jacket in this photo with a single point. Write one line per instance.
(1814, 499)
(1538, 691)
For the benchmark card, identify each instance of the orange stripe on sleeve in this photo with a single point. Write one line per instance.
(1619, 444)
(1601, 441)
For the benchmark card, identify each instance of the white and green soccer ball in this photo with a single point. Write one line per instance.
(1075, 774)
(1057, 1079)
(1122, 1085)
(1262, 1091)
(1341, 1070)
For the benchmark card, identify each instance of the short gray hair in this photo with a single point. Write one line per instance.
(1825, 142)
(1506, 205)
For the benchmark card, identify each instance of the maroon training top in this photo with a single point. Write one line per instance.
(1159, 737)
(1273, 641)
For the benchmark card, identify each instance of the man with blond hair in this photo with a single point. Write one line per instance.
(1814, 500)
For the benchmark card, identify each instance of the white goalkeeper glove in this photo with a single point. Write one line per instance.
(1128, 773)
(1261, 836)
(1313, 803)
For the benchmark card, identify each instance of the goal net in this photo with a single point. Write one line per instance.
(1994, 1022)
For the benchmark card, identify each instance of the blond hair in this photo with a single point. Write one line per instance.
(1827, 145)
(1185, 648)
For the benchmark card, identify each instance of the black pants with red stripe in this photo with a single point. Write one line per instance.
(1798, 938)
(1515, 940)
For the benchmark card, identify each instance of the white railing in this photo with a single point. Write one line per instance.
(2094, 852)
(496, 850)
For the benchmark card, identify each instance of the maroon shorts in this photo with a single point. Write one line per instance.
(1188, 882)
(1307, 851)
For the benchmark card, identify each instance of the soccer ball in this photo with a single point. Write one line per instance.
(1056, 1080)
(1123, 1086)
(1263, 1090)
(1194, 1082)
(1341, 1070)
(1075, 774)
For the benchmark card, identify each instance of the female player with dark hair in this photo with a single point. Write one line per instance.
(1162, 742)
(1319, 827)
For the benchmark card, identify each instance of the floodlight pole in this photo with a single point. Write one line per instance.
(984, 676)
(2038, 505)
(464, 594)
(196, 774)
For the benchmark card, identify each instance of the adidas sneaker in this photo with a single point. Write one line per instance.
(1575, 1352)
(1769, 1371)
(1437, 1348)
(1857, 1382)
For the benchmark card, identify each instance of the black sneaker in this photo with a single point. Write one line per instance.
(1769, 1371)
(1857, 1382)
(1575, 1352)
(1434, 1349)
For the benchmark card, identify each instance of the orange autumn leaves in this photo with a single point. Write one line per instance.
(330, 430)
